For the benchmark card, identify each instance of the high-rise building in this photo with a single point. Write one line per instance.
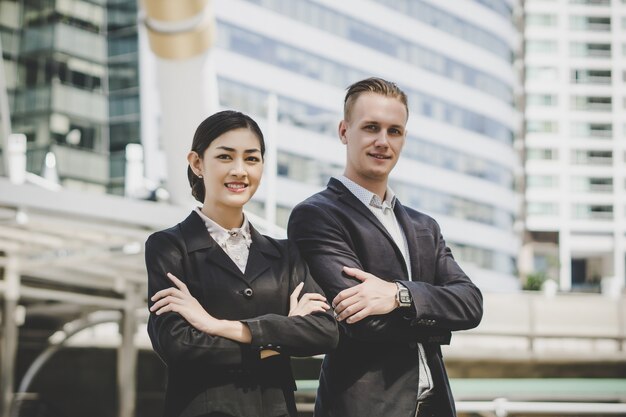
(454, 58)
(574, 130)
(72, 79)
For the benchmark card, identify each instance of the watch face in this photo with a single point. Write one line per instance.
(405, 297)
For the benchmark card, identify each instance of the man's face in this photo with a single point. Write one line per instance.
(374, 136)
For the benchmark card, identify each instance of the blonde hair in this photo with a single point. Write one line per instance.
(373, 85)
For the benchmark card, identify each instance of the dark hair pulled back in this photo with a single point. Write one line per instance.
(210, 129)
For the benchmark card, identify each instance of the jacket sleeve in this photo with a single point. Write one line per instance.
(173, 338)
(453, 302)
(327, 247)
(297, 335)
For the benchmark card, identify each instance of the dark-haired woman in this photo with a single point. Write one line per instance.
(225, 311)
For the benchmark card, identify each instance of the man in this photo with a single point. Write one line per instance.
(396, 289)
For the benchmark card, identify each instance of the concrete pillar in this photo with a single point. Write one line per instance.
(9, 339)
(565, 261)
(127, 354)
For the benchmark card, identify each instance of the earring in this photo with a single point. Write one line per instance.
(200, 176)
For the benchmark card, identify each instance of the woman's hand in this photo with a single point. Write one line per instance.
(180, 300)
(309, 303)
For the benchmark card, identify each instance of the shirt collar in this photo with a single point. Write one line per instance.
(221, 235)
(367, 197)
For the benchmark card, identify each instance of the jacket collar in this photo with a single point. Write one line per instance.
(347, 197)
(197, 238)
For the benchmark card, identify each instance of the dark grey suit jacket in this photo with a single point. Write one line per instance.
(374, 371)
(213, 374)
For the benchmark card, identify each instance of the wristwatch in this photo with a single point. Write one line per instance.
(403, 296)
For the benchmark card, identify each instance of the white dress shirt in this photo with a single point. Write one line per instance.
(383, 210)
(235, 242)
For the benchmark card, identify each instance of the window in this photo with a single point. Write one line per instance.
(542, 181)
(590, 50)
(542, 154)
(584, 76)
(549, 100)
(540, 19)
(541, 46)
(541, 126)
(592, 212)
(591, 103)
(541, 73)
(542, 209)
(592, 130)
(591, 23)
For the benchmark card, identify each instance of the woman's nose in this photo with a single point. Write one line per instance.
(238, 168)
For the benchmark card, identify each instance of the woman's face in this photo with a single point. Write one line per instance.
(232, 166)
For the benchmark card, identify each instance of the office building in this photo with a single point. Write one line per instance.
(72, 79)
(574, 147)
(455, 61)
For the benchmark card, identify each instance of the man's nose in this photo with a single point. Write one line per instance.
(382, 140)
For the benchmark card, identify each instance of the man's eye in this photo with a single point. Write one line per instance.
(371, 127)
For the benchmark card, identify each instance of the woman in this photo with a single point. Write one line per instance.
(224, 308)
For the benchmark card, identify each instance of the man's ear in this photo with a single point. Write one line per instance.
(343, 126)
(195, 162)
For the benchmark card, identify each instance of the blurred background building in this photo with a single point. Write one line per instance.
(574, 134)
(73, 84)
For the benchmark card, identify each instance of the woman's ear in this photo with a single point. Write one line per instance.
(195, 162)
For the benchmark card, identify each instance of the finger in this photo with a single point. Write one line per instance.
(181, 285)
(165, 309)
(350, 311)
(356, 273)
(296, 292)
(166, 292)
(358, 316)
(347, 293)
(339, 308)
(165, 301)
(313, 296)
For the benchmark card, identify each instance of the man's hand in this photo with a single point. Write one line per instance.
(373, 296)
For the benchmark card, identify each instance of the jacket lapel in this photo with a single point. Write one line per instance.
(260, 257)
(409, 231)
(198, 238)
(350, 199)
(347, 197)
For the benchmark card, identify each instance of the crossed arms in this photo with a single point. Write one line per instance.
(451, 302)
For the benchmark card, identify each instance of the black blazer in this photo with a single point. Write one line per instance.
(374, 371)
(214, 374)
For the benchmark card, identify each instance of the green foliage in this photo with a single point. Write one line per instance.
(534, 281)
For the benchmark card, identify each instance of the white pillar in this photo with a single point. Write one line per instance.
(181, 34)
(271, 156)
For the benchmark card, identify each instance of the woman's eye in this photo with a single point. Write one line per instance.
(223, 156)
(252, 159)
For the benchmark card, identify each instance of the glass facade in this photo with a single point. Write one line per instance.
(360, 32)
(301, 62)
(75, 84)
